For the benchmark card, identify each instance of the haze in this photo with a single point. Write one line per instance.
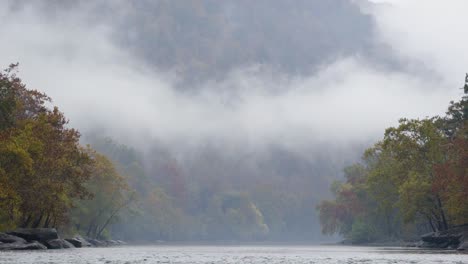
(272, 91)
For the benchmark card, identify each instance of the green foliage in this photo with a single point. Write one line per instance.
(417, 174)
(362, 232)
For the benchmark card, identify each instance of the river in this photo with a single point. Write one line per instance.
(234, 254)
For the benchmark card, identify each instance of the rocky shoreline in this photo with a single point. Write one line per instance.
(455, 238)
(48, 238)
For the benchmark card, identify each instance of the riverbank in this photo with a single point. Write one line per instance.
(48, 238)
(455, 238)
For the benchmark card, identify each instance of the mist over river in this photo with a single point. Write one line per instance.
(234, 254)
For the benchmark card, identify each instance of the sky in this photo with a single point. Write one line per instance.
(97, 83)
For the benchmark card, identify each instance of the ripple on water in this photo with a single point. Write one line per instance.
(233, 254)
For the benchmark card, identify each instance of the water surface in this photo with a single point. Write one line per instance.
(234, 254)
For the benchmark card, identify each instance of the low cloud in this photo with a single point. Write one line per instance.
(98, 84)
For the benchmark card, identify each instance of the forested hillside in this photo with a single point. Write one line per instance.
(413, 181)
(209, 196)
(204, 40)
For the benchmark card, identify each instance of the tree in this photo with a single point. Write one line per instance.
(110, 194)
(417, 146)
(42, 166)
(350, 206)
(418, 172)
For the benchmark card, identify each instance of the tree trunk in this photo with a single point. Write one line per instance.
(106, 223)
(429, 219)
(442, 214)
(90, 227)
(26, 221)
(47, 221)
(38, 221)
(95, 230)
(114, 213)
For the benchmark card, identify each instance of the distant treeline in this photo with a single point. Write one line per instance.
(413, 181)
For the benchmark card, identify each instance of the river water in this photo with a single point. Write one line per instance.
(234, 254)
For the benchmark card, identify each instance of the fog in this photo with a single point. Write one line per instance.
(410, 63)
(96, 82)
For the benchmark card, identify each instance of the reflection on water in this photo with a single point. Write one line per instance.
(234, 254)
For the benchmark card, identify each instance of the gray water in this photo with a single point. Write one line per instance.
(233, 254)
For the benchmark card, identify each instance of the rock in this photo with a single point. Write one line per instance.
(20, 246)
(5, 238)
(58, 244)
(111, 243)
(33, 245)
(451, 238)
(38, 234)
(10, 246)
(78, 242)
(96, 243)
(411, 244)
(121, 242)
(442, 238)
(463, 246)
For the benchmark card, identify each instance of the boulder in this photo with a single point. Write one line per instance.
(442, 238)
(121, 242)
(96, 243)
(111, 243)
(10, 246)
(33, 245)
(38, 234)
(463, 246)
(452, 238)
(20, 246)
(78, 242)
(5, 238)
(58, 244)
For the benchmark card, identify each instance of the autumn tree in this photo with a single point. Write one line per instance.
(42, 166)
(417, 173)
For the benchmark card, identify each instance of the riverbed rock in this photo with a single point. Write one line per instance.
(111, 243)
(96, 242)
(78, 241)
(58, 244)
(442, 238)
(5, 238)
(32, 246)
(21, 246)
(35, 234)
(463, 246)
(451, 238)
(121, 242)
